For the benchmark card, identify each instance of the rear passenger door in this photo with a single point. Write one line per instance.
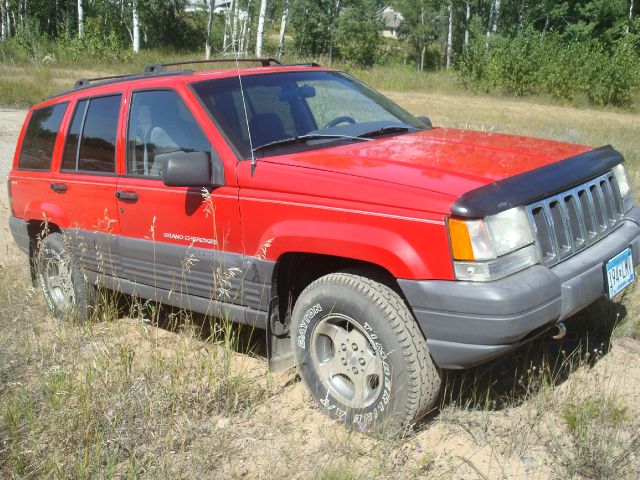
(31, 183)
(86, 182)
(177, 239)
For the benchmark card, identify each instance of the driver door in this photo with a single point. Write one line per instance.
(173, 238)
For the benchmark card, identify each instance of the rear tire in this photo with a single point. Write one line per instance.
(61, 279)
(361, 355)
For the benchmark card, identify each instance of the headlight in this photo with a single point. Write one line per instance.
(493, 247)
(622, 177)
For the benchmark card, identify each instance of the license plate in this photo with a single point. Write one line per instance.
(619, 272)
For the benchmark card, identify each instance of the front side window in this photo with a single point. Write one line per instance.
(160, 126)
(40, 137)
(278, 107)
(91, 141)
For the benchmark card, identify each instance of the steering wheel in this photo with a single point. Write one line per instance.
(338, 121)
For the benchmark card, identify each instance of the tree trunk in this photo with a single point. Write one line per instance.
(521, 16)
(424, 45)
(546, 26)
(207, 45)
(466, 23)
(260, 33)
(234, 30)
(22, 9)
(283, 28)
(450, 35)
(80, 19)
(496, 17)
(630, 9)
(225, 35)
(3, 20)
(136, 26)
(490, 24)
(332, 27)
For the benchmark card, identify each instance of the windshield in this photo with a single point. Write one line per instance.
(329, 107)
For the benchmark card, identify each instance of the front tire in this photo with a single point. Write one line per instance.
(61, 279)
(361, 355)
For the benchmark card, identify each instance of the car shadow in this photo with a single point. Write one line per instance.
(240, 338)
(512, 379)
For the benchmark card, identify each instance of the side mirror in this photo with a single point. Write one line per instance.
(424, 119)
(191, 169)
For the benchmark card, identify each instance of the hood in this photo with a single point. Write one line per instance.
(442, 160)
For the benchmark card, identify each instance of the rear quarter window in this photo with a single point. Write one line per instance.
(40, 137)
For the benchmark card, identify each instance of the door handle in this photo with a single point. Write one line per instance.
(59, 187)
(126, 196)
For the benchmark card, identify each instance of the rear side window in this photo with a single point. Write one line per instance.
(40, 137)
(91, 141)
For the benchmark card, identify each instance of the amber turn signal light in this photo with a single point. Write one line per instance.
(460, 240)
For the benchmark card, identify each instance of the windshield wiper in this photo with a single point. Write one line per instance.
(384, 130)
(303, 138)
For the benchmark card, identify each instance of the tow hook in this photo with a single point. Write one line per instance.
(562, 331)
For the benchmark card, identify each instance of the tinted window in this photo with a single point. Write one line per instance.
(160, 126)
(70, 154)
(98, 144)
(40, 137)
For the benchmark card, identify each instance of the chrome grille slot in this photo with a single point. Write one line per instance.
(566, 223)
(576, 222)
(598, 204)
(563, 234)
(546, 238)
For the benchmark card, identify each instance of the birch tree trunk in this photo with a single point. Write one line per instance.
(227, 25)
(423, 50)
(80, 19)
(283, 28)
(260, 33)
(207, 45)
(332, 27)
(3, 19)
(631, 10)
(450, 35)
(496, 17)
(521, 16)
(467, 20)
(234, 30)
(136, 26)
(490, 24)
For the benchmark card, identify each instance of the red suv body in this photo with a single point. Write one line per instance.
(488, 240)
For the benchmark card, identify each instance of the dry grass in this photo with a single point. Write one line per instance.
(142, 393)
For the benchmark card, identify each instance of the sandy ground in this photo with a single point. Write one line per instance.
(459, 442)
(10, 124)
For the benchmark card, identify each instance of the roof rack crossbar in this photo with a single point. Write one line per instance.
(304, 64)
(265, 62)
(83, 82)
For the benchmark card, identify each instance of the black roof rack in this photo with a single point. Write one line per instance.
(159, 67)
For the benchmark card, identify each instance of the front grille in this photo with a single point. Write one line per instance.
(569, 222)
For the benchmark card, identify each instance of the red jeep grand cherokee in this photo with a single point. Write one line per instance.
(374, 249)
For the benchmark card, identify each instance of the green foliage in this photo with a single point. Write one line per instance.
(532, 64)
(311, 23)
(95, 44)
(358, 33)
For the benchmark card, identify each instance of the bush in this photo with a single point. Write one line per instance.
(532, 64)
(94, 45)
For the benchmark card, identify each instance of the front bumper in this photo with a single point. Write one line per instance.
(468, 323)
